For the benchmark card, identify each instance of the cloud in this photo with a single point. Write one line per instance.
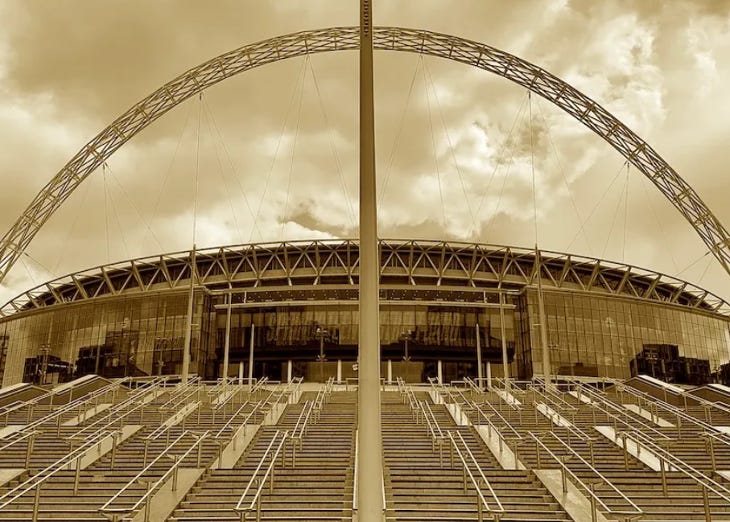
(275, 150)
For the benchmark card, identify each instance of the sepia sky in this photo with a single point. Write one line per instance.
(274, 150)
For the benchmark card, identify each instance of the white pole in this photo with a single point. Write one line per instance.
(250, 357)
(240, 373)
(440, 373)
(480, 372)
(189, 322)
(489, 375)
(227, 345)
(543, 327)
(339, 370)
(370, 470)
(288, 370)
(503, 334)
(390, 371)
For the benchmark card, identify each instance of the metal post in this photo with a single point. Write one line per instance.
(250, 357)
(370, 470)
(503, 334)
(546, 370)
(480, 371)
(189, 321)
(663, 469)
(29, 450)
(339, 370)
(706, 503)
(288, 370)
(594, 508)
(77, 475)
(440, 373)
(36, 503)
(227, 343)
(174, 473)
(390, 371)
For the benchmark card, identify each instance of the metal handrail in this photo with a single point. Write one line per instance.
(673, 410)
(635, 510)
(602, 404)
(162, 428)
(553, 398)
(178, 459)
(495, 412)
(431, 422)
(227, 425)
(482, 501)
(665, 457)
(273, 454)
(115, 414)
(46, 473)
(181, 394)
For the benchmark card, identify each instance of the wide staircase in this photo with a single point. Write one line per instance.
(155, 449)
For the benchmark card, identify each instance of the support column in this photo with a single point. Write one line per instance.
(546, 369)
(250, 357)
(339, 370)
(489, 375)
(480, 373)
(288, 370)
(227, 344)
(503, 334)
(189, 321)
(240, 373)
(370, 445)
(390, 371)
(440, 373)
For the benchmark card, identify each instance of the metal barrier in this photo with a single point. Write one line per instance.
(37, 480)
(632, 512)
(152, 487)
(258, 480)
(669, 461)
(479, 483)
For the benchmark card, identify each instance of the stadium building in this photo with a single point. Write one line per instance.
(295, 305)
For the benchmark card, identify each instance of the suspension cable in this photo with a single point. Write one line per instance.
(210, 123)
(626, 211)
(197, 168)
(451, 147)
(561, 168)
(300, 81)
(106, 213)
(391, 157)
(615, 216)
(532, 169)
(433, 147)
(293, 153)
(333, 149)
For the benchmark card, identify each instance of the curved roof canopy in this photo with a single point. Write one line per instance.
(302, 264)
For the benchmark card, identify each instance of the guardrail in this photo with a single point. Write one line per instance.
(37, 480)
(566, 472)
(258, 479)
(668, 461)
(152, 487)
(433, 428)
(497, 510)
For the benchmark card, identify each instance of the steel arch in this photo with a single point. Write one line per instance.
(511, 67)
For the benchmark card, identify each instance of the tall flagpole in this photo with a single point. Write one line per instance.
(370, 460)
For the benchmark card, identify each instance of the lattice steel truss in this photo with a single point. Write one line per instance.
(536, 79)
(301, 265)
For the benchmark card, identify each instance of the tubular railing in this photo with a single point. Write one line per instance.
(258, 479)
(494, 511)
(670, 462)
(632, 511)
(37, 480)
(181, 394)
(29, 437)
(679, 414)
(434, 430)
(57, 413)
(300, 429)
(622, 416)
(229, 423)
(145, 500)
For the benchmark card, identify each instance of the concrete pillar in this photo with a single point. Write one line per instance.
(189, 321)
(370, 446)
(390, 371)
(480, 374)
(440, 373)
(489, 375)
(227, 344)
(240, 373)
(288, 370)
(250, 357)
(339, 370)
(503, 334)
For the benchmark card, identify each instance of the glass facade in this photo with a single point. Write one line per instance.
(143, 334)
(127, 335)
(590, 334)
